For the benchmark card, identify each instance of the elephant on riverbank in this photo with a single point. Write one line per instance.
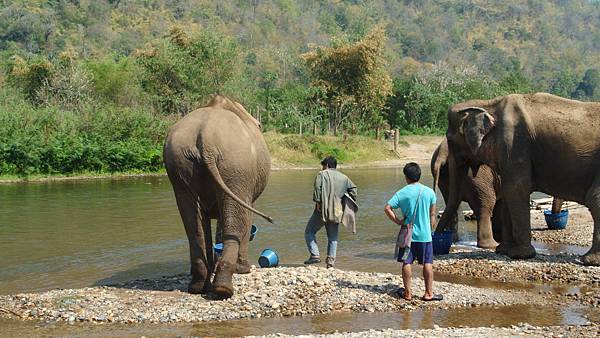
(537, 142)
(218, 164)
(481, 193)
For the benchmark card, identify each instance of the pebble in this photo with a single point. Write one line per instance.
(262, 293)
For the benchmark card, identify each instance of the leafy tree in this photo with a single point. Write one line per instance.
(29, 75)
(354, 78)
(421, 103)
(181, 71)
(564, 84)
(589, 87)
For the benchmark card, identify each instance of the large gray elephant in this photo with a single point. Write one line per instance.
(537, 142)
(481, 193)
(218, 163)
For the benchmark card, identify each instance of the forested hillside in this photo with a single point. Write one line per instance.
(297, 65)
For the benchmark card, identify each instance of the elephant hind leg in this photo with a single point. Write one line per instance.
(592, 201)
(194, 220)
(235, 220)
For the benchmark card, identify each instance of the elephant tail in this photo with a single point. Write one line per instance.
(214, 171)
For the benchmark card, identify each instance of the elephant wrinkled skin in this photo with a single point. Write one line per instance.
(537, 142)
(218, 163)
(480, 192)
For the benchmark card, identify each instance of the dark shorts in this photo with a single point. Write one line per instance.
(422, 251)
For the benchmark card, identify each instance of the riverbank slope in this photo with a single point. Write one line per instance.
(297, 152)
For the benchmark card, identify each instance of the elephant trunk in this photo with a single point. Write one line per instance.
(436, 166)
(458, 172)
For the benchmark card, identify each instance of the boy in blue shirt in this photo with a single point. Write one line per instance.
(421, 247)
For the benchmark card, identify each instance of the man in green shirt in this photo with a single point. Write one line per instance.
(330, 187)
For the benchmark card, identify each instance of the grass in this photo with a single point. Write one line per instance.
(297, 149)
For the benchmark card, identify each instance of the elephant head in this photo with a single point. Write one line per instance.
(469, 145)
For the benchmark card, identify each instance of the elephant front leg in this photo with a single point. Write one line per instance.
(516, 199)
(592, 257)
(504, 223)
(235, 221)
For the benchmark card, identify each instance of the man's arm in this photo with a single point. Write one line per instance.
(391, 215)
(352, 190)
(432, 215)
(317, 192)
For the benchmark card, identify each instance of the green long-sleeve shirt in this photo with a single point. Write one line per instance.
(330, 186)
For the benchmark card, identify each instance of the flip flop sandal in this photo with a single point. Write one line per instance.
(434, 298)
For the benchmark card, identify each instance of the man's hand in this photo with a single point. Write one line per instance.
(318, 206)
(391, 215)
(432, 216)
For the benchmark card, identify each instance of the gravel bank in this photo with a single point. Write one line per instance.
(262, 293)
(521, 330)
(563, 269)
(579, 229)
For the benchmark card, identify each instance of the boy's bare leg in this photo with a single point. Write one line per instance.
(406, 277)
(428, 276)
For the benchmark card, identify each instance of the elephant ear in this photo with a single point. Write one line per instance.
(475, 124)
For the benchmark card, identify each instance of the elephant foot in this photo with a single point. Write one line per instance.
(487, 243)
(503, 248)
(223, 282)
(522, 252)
(592, 257)
(242, 267)
(199, 287)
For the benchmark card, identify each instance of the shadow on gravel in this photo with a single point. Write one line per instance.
(174, 277)
(390, 289)
(492, 256)
(375, 255)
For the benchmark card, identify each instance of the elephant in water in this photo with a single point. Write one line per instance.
(218, 164)
(482, 193)
(537, 142)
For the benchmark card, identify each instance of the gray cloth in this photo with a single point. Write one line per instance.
(330, 186)
(350, 209)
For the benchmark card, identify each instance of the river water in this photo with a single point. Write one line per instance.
(73, 234)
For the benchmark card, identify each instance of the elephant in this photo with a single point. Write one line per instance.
(481, 192)
(218, 163)
(535, 142)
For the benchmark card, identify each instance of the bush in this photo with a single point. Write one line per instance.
(45, 140)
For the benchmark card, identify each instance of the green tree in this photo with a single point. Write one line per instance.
(589, 87)
(29, 75)
(181, 71)
(564, 84)
(354, 79)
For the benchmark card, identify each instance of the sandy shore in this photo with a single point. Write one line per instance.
(521, 330)
(262, 293)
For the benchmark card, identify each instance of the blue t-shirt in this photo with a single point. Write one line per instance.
(405, 199)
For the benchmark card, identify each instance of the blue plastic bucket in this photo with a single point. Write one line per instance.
(253, 231)
(556, 221)
(442, 242)
(268, 259)
(218, 248)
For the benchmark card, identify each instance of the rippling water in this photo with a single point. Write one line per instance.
(79, 233)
